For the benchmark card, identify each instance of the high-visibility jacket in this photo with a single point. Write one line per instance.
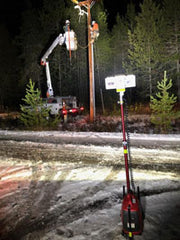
(95, 27)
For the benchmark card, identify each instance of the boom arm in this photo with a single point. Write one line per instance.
(50, 92)
(59, 40)
(71, 44)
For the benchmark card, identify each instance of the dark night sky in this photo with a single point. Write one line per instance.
(117, 6)
(10, 11)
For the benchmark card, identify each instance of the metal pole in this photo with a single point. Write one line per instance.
(124, 143)
(49, 85)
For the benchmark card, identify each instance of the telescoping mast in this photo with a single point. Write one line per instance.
(131, 211)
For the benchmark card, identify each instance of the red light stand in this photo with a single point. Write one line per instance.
(131, 211)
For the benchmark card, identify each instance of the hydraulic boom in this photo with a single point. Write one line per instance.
(71, 44)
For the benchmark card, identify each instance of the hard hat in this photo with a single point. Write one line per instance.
(67, 21)
(93, 22)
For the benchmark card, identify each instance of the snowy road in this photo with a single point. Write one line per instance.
(95, 138)
(57, 190)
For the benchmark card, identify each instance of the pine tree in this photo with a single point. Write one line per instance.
(162, 106)
(146, 48)
(131, 15)
(120, 45)
(172, 34)
(8, 68)
(34, 113)
(29, 42)
(52, 19)
(102, 53)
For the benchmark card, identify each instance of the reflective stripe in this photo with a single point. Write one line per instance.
(120, 90)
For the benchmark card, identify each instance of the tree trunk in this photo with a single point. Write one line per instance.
(150, 78)
(99, 80)
(178, 78)
(177, 61)
(149, 70)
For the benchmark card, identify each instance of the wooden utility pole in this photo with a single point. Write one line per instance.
(88, 4)
(91, 82)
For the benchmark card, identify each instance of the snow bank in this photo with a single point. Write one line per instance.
(100, 138)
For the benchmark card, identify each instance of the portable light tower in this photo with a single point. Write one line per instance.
(131, 211)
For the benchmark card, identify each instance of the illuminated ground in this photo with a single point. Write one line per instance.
(61, 191)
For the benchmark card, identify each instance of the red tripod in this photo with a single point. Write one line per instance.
(131, 211)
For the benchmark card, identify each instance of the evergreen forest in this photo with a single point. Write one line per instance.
(145, 41)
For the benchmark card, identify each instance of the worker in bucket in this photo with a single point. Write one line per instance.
(94, 31)
(67, 26)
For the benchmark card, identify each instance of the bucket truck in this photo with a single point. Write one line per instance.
(61, 105)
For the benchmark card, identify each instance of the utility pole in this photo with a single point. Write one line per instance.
(91, 70)
(88, 4)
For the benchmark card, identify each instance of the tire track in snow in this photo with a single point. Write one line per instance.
(61, 192)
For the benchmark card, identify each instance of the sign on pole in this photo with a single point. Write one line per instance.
(120, 82)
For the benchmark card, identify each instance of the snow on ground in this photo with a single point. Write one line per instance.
(53, 189)
(111, 135)
(86, 201)
(100, 138)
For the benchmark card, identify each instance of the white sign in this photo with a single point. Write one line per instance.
(120, 82)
